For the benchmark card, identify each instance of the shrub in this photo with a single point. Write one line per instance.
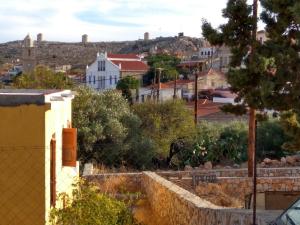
(90, 207)
(231, 144)
(270, 139)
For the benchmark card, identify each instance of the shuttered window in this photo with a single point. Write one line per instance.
(69, 147)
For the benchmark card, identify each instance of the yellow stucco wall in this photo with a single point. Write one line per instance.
(22, 177)
(25, 135)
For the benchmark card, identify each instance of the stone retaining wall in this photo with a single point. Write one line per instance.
(264, 184)
(177, 206)
(261, 172)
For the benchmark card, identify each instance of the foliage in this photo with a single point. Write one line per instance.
(108, 132)
(127, 84)
(223, 142)
(43, 78)
(282, 82)
(165, 123)
(244, 75)
(270, 139)
(90, 207)
(167, 62)
(290, 122)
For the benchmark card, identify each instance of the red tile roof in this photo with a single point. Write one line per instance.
(178, 82)
(212, 72)
(122, 56)
(206, 107)
(190, 63)
(131, 65)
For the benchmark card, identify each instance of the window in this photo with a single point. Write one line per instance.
(100, 85)
(208, 53)
(103, 82)
(90, 79)
(94, 80)
(103, 65)
(201, 53)
(110, 80)
(99, 65)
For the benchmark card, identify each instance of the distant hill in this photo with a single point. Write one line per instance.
(79, 55)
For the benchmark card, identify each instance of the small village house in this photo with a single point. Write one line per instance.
(37, 154)
(108, 69)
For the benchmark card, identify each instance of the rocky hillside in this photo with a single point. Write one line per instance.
(78, 54)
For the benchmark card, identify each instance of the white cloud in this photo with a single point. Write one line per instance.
(102, 20)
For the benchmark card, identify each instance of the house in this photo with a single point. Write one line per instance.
(262, 36)
(37, 154)
(107, 69)
(166, 92)
(212, 79)
(206, 51)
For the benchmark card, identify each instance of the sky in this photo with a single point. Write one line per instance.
(105, 20)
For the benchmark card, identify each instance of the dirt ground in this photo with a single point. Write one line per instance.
(143, 214)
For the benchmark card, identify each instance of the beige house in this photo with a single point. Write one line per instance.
(37, 154)
(212, 79)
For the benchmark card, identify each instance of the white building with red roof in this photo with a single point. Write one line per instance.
(108, 69)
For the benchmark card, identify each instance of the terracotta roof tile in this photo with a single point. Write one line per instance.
(206, 107)
(122, 56)
(131, 65)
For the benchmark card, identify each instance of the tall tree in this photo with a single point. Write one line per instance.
(108, 132)
(282, 80)
(43, 78)
(246, 66)
(167, 62)
(165, 123)
(126, 85)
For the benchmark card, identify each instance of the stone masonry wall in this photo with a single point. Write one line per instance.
(263, 184)
(261, 172)
(177, 206)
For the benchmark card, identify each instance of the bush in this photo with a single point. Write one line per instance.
(108, 132)
(270, 139)
(165, 123)
(228, 142)
(90, 207)
(231, 144)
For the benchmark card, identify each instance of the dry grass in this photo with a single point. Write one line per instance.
(219, 195)
(120, 184)
(101, 169)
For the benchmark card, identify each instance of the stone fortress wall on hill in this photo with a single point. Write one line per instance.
(80, 54)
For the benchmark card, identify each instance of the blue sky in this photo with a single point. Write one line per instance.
(105, 20)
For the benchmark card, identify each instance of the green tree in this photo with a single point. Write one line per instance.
(165, 123)
(282, 83)
(126, 85)
(90, 207)
(167, 62)
(291, 125)
(244, 75)
(43, 78)
(108, 132)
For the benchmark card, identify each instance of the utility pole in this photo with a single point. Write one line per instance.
(154, 82)
(252, 114)
(252, 142)
(158, 83)
(175, 87)
(196, 96)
